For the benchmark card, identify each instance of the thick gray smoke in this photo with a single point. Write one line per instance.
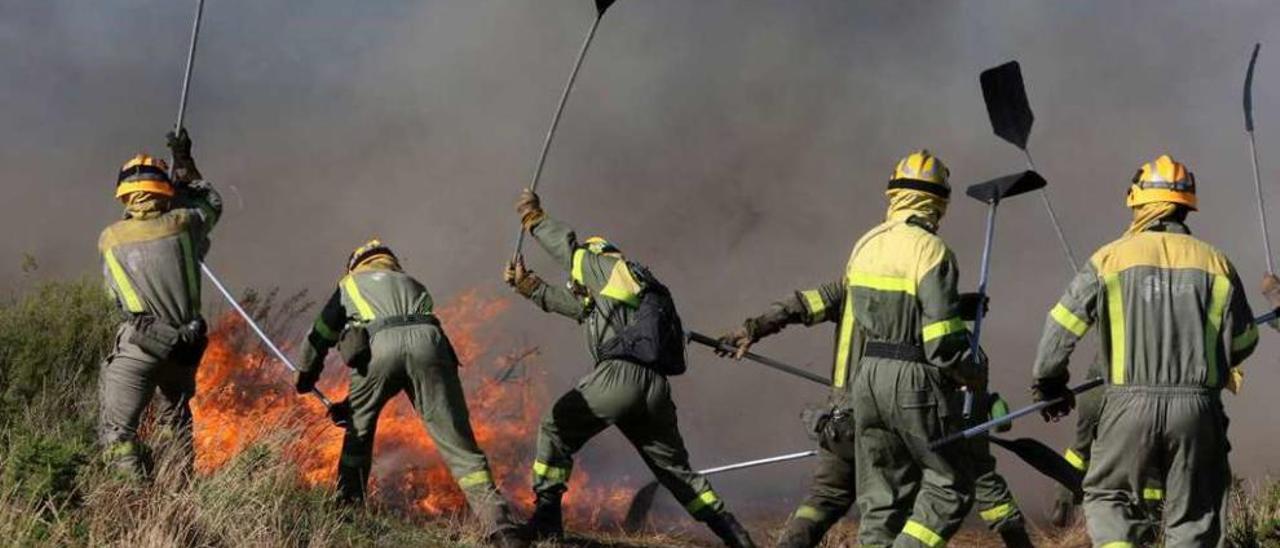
(739, 147)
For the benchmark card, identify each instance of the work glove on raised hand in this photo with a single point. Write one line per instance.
(530, 209)
(969, 306)
(305, 380)
(184, 165)
(523, 280)
(1052, 389)
(1271, 289)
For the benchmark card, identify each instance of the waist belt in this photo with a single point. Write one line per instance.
(378, 324)
(895, 351)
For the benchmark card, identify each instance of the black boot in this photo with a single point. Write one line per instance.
(1016, 537)
(802, 533)
(547, 521)
(508, 538)
(734, 535)
(1064, 509)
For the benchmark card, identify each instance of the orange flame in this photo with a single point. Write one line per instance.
(243, 395)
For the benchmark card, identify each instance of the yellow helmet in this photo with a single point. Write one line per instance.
(599, 245)
(921, 171)
(142, 173)
(1163, 180)
(369, 250)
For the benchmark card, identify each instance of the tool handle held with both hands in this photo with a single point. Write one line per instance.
(262, 335)
(704, 340)
(980, 429)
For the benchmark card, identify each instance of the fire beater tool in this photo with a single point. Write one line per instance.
(338, 412)
(1011, 119)
(1253, 151)
(991, 193)
(601, 7)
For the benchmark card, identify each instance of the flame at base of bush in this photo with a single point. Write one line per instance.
(244, 395)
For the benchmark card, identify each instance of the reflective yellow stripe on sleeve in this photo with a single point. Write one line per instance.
(1076, 460)
(813, 301)
(707, 498)
(883, 283)
(353, 292)
(1213, 331)
(131, 301)
(1115, 313)
(1245, 340)
(840, 371)
(576, 271)
(323, 330)
(942, 329)
(473, 479)
(996, 513)
(923, 534)
(1068, 321)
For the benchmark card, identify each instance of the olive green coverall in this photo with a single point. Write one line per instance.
(151, 265)
(1173, 319)
(409, 353)
(619, 393)
(833, 489)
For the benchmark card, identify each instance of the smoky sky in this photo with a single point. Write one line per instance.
(739, 147)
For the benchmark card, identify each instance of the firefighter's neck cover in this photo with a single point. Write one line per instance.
(379, 262)
(904, 204)
(145, 205)
(1147, 215)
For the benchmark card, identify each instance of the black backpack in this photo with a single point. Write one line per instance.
(655, 338)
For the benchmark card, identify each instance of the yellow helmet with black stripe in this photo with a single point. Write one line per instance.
(368, 250)
(1163, 180)
(143, 173)
(921, 171)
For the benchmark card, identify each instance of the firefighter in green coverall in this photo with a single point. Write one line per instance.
(603, 297)
(1176, 326)
(833, 490)
(382, 322)
(150, 261)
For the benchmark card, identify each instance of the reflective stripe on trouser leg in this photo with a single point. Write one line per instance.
(547, 474)
(925, 535)
(705, 504)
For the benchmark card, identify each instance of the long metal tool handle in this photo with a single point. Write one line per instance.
(258, 330)
(767, 362)
(1262, 209)
(191, 61)
(979, 429)
(984, 275)
(555, 120)
(1053, 219)
(759, 462)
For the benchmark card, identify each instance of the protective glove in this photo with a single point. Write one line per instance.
(970, 371)
(525, 281)
(305, 381)
(184, 165)
(1271, 289)
(969, 306)
(530, 209)
(999, 409)
(340, 413)
(735, 343)
(1052, 389)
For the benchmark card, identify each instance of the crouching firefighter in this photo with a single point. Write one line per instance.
(636, 340)
(1176, 326)
(381, 320)
(895, 307)
(151, 263)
